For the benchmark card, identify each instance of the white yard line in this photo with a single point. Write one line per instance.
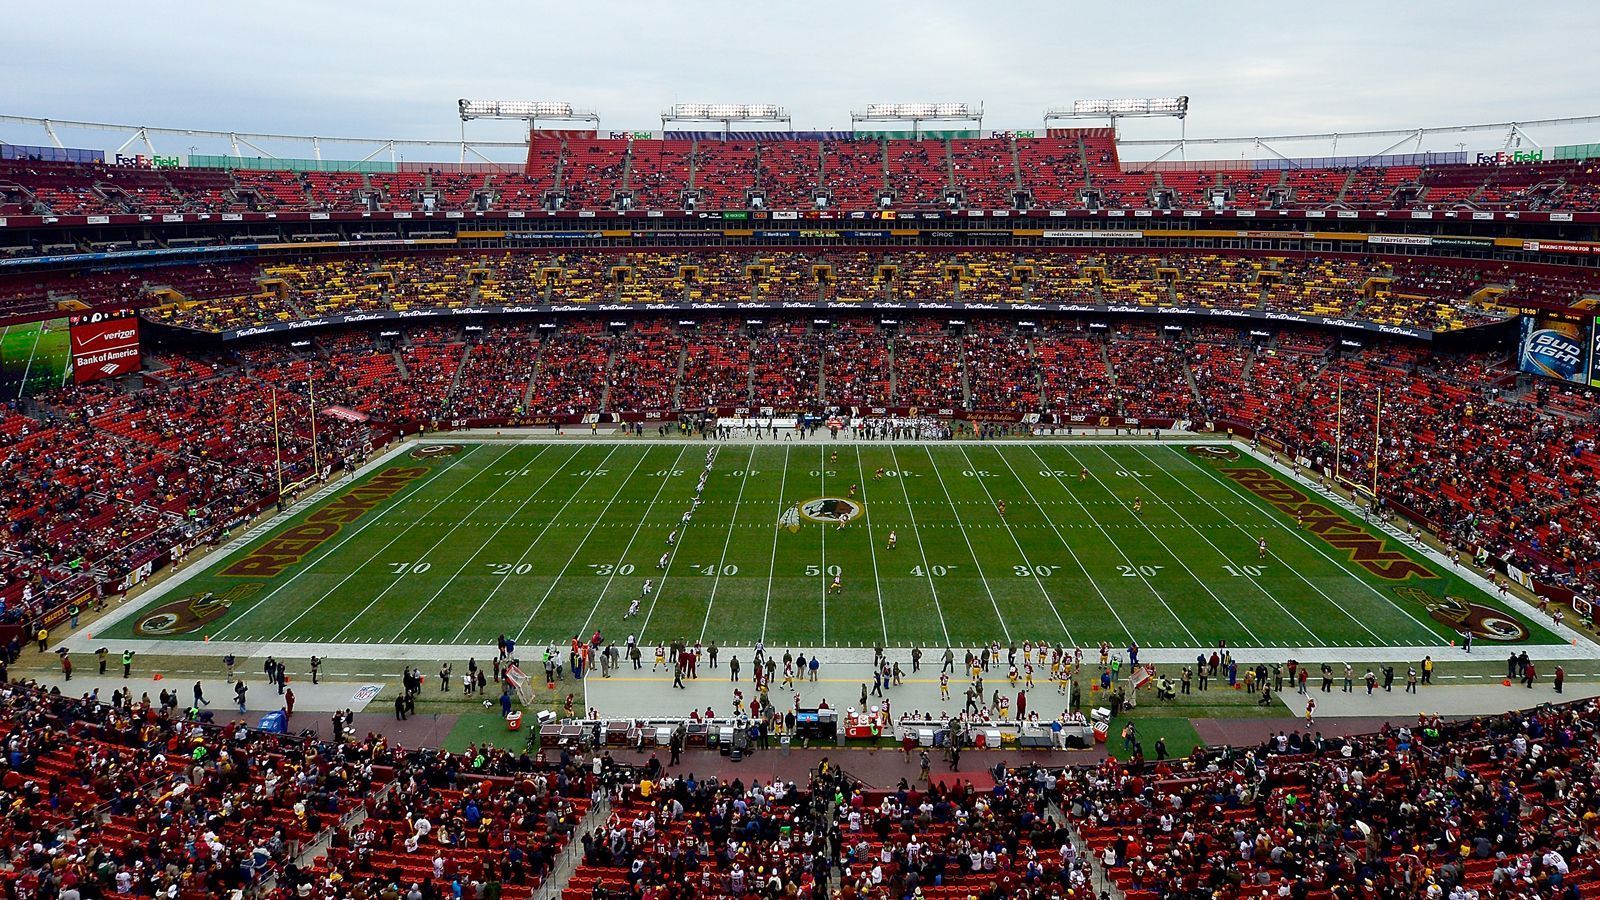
(1034, 570)
(1175, 557)
(872, 547)
(494, 534)
(372, 516)
(38, 332)
(927, 567)
(822, 467)
(504, 579)
(1093, 581)
(1089, 516)
(783, 481)
(672, 553)
(1308, 542)
(478, 504)
(594, 470)
(522, 632)
(1004, 628)
(1275, 523)
(732, 525)
(1227, 560)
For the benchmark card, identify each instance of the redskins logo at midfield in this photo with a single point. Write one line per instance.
(435, 451)
(1213, 451)
(190, 613)
(831, 509)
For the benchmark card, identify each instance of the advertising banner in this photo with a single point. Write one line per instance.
(1594, 353)
(746, 306)
(1554, 348)
(104, 348)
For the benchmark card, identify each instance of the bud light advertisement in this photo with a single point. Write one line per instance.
(1555, 348)
(1594, 353)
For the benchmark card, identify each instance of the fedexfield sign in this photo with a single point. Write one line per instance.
(1514, 158)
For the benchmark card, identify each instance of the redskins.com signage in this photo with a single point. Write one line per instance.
(104, 347)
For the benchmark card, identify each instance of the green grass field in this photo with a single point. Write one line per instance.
(34, 357)
(540, 541)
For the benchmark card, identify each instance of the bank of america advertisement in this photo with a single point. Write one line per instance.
(104, 348)
(1555, 348)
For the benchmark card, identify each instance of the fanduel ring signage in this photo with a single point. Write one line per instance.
(862, 306)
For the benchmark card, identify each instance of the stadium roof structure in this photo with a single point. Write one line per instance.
(1508, 134)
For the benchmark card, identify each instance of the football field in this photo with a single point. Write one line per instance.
(457, 543)
(34, 357)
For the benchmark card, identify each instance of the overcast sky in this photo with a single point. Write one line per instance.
(397, 68)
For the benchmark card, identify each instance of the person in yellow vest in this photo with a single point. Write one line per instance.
(43, 637)
(1427, 670)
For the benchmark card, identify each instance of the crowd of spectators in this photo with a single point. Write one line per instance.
(1493, 807)
(132, 797)
(672, 836)
(1440, 296)
(1057, 171)
(95, 475)
(129, 797)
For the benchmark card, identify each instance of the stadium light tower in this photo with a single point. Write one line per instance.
(530, 111)
(1126, 108)
(726, 113)
(917, 113)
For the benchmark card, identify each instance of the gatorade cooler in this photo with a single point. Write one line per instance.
(514, 721)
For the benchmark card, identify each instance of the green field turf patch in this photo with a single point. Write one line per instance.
(1180, 736)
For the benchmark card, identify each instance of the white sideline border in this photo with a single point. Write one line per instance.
(1578, 646)
(1584, 647)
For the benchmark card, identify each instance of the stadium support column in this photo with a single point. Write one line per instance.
(311, 388)
(1377, 446)
(1338, 429)
(277, 444)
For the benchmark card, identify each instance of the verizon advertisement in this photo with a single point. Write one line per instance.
(104, 348)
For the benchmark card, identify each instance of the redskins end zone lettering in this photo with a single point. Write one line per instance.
(290, 547)
(1363, 548)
